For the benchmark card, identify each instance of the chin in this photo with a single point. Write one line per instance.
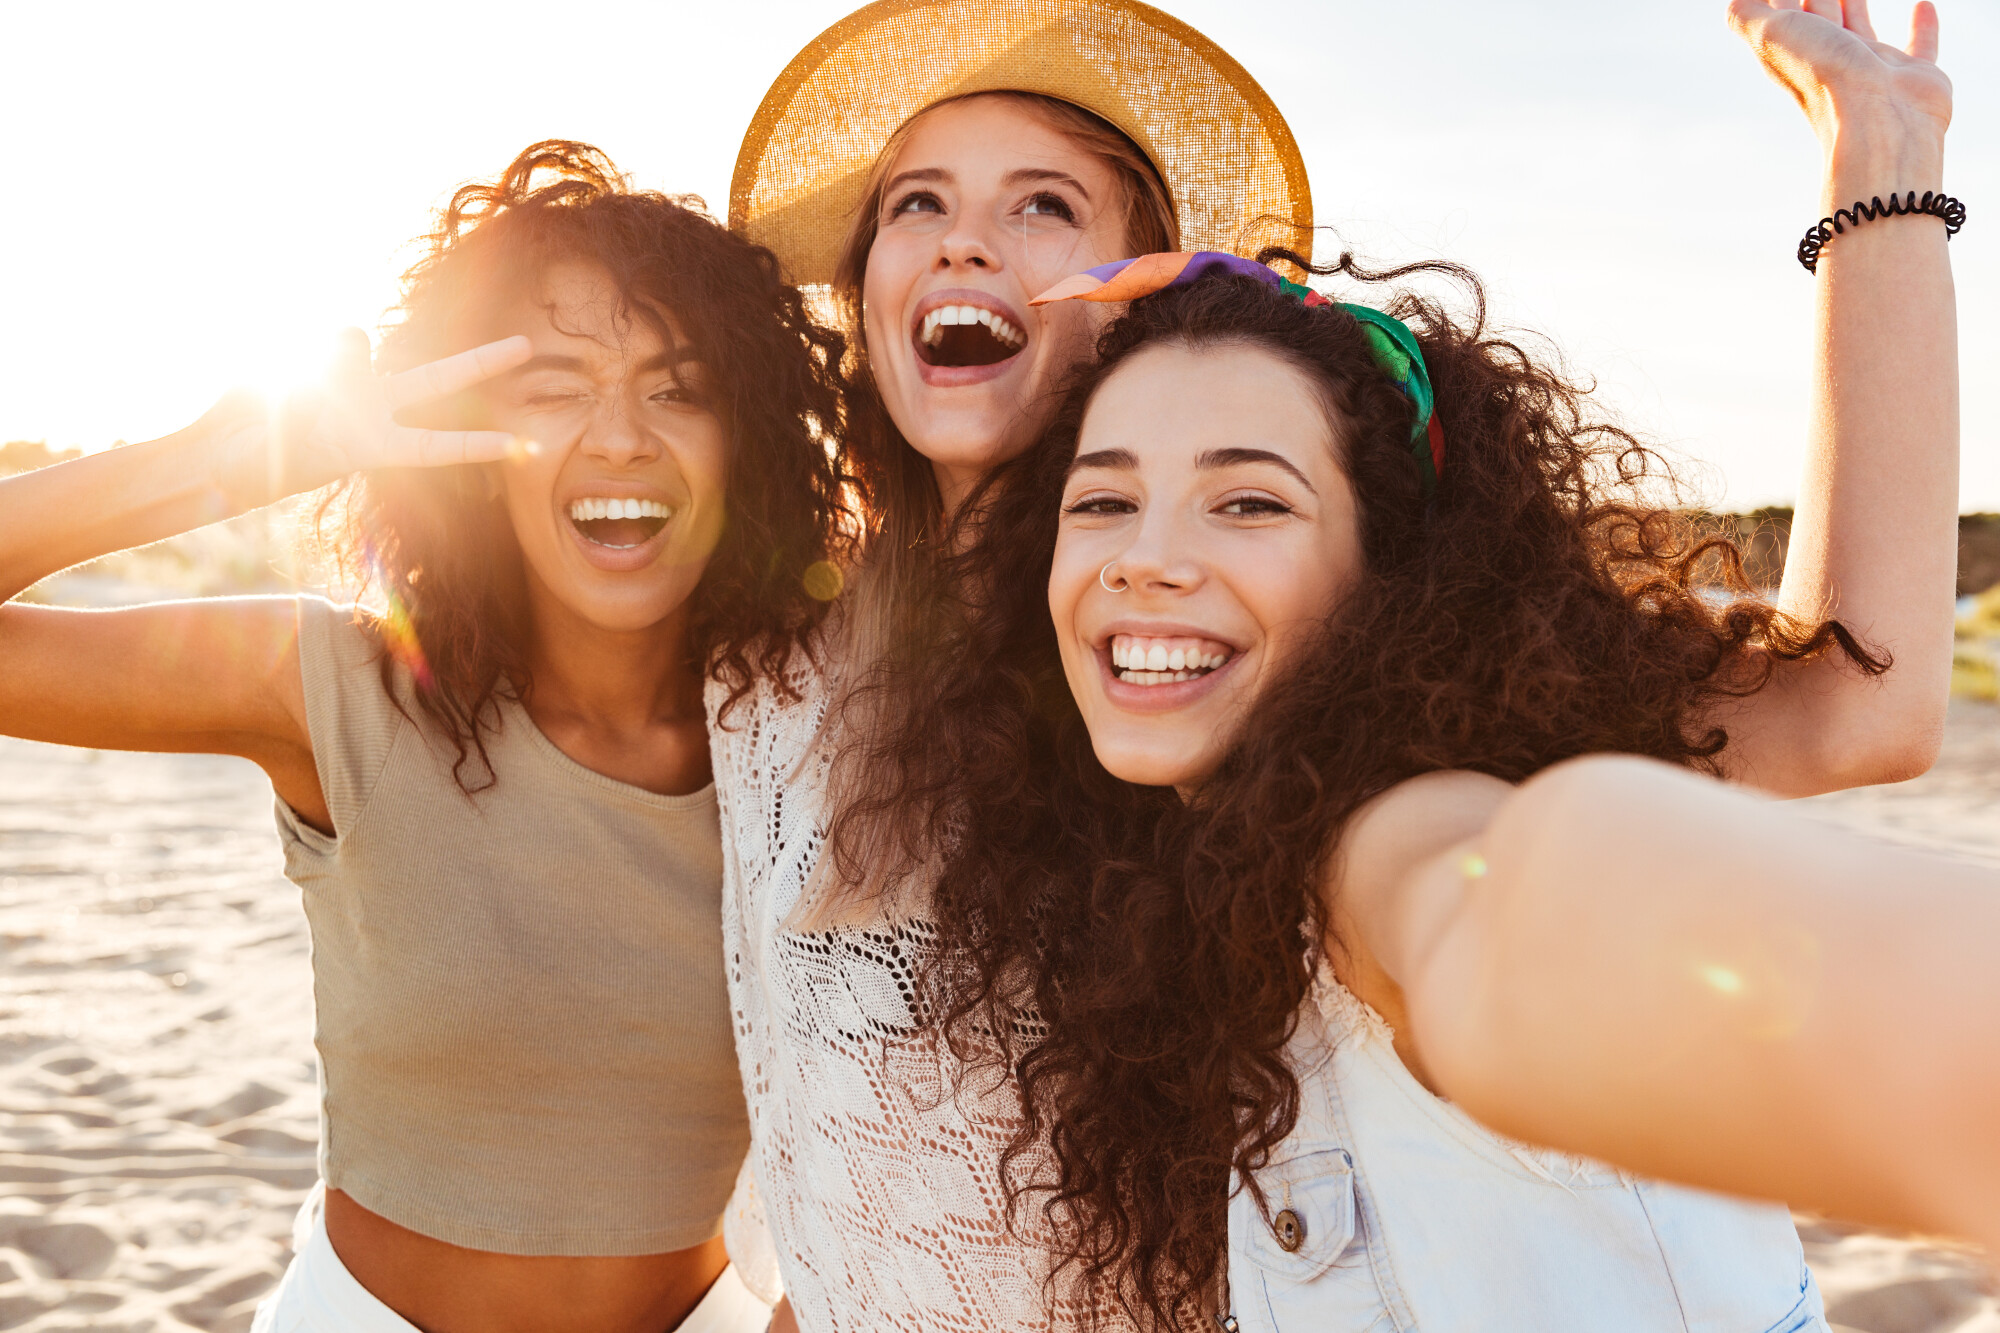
(624, 614)
(1151, 766)
(969, 440)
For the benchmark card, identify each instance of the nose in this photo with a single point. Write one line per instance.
(615, 437)
(966, 245)
(1157, 561)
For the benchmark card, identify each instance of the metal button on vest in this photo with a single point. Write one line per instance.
(1290, 1230)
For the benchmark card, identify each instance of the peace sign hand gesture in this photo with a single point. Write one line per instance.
(1826, 54)
(321, 435)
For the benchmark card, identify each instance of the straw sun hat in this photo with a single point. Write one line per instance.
(1227, 156)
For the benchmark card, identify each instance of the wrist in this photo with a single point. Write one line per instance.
(235, 478)
(1901, 149)
(1864, 163)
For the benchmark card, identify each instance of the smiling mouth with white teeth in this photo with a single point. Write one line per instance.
(1141, 661)
(618, 523)
(967, 335)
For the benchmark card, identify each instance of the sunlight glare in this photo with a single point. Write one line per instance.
(290, 360)
(1723, 980)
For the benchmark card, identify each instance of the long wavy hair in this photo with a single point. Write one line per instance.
(1137, 963)
(904, 510)
(436, 545)
(901, 583)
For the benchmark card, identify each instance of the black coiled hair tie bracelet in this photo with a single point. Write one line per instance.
(1933, 204)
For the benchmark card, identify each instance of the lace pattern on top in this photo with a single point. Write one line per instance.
(878, 1173)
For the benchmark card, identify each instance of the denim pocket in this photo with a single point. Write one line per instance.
(1307, 1221)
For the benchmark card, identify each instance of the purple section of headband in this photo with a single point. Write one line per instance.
(1202, 263)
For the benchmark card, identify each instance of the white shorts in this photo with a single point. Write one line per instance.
(318, 1295)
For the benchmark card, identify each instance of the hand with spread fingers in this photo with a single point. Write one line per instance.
(350, 424)
(1826, 54)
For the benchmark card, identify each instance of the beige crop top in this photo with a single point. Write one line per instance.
(523, 1026)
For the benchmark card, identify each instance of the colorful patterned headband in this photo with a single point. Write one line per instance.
(1389, 339)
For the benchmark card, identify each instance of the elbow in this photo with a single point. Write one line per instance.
(1906, 757)
(1895, 744)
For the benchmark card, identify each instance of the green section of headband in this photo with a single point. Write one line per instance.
(1395, 350)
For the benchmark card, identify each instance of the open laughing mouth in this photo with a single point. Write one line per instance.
(967, 335)
(1150, 661)
(618, 523)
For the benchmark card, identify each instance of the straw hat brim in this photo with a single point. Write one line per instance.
(1227, 157)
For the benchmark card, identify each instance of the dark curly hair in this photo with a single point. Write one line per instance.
(1139, 963)
(437, 545)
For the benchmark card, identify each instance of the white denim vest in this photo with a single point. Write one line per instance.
(1404, 1214)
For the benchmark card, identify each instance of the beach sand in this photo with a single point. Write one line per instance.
(157, 1102)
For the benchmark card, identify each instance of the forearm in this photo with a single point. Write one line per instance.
(1875, 535)
(1698, 985)
(56, 517)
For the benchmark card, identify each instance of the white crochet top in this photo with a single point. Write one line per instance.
(879, 1176)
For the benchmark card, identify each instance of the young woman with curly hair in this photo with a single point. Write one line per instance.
(882, 1183)
(1299, 599)
(1281, 668)
(494, 790)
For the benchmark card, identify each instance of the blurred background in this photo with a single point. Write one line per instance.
(203, 193)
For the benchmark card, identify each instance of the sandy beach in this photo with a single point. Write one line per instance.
(157, 1104)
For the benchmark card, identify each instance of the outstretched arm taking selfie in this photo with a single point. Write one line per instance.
(1645, 966)
(1874, 540)
(218, 674)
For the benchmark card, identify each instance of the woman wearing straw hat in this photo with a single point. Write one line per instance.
(1019, 141)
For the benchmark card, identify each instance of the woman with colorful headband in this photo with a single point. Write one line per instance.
(1021, 143)
(1318, 587)
(493, 792)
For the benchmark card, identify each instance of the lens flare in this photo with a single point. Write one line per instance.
(399, 628)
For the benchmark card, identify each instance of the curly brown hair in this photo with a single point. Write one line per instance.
(1139, 963)
(437, 545)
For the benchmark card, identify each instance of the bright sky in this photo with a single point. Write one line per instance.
(200, 194)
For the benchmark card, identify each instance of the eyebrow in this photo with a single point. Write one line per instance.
(1104, 458)
(1218, 458)
(925, 174)
(549, 361)
(1018, 176)
(686, 354)
(673, 359)
(1207, 461)
(1028, 175)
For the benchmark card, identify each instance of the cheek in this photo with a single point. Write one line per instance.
(703, 462)
(1065, 592)
(1069, 337)
(702, 455)
(874, 328)
(885, 287)
(1071, 577)
(529, 486)
(1291, 597)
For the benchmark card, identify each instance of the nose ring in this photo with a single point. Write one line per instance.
(1123, 584)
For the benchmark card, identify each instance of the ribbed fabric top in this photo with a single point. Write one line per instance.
(522, 1021)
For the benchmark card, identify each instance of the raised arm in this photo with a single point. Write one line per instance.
(218, 675)
(1875, 539)
(1648, 967)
